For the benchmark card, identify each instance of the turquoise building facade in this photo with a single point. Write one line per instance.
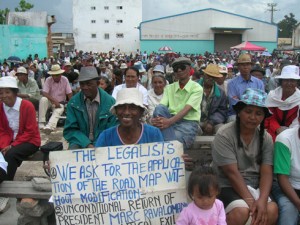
(21, 41)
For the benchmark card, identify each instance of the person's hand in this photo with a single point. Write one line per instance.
(188, 161)
(161, 122)
(258, 211)
(5, 149)
(280, 129)
(56, 104)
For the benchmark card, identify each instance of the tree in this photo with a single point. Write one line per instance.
(23, 7)
(286, 26)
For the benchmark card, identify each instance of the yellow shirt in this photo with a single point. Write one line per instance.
(176, 99)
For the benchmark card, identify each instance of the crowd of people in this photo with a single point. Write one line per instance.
(248, 101)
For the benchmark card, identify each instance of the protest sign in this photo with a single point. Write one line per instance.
(128, 184)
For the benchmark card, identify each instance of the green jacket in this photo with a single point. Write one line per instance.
(76, 130)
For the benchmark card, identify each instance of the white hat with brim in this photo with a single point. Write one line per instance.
(128, 96)
(289, 72)
(123, 66)
(8, 82)
(21, 70)
(56, 70)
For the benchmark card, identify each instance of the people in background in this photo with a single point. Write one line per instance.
(284, 101)
(56, 91)
(178, 113)
(105, 84)
(243, 155)
(88, 111)
(205, 208)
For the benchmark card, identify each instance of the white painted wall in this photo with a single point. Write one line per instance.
(130, 14)
(197, 26)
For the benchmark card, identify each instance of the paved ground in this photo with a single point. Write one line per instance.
(27, 171)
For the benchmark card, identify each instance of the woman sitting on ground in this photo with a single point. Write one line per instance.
(243, 155)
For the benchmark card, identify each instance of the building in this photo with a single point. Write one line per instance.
(62, 42)
(296, 37)
(205, 30)
(100, 26)
(25, 33)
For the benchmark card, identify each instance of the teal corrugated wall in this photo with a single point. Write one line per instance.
(22, 40)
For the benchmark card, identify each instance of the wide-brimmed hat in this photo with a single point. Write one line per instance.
(212, 70)
(254, 97)
(21, 70)
(289, 72)
(123, 66)
(67, 63)
(55, 70)
(223, 69)
(139, 66)
(182, 60)
(8, 82)
(159, 68)
(128, 96)
(88, 73)
(244, 58)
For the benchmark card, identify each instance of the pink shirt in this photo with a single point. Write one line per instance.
(57, 90)
(193, 215)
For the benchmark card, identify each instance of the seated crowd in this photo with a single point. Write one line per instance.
(252, 109)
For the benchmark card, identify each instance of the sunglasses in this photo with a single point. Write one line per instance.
(180, 66)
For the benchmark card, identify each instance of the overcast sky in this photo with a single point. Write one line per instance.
(62, 9)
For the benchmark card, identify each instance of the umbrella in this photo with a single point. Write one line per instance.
(13, 59)
(266, 54)
(249, 47)
(165, 48)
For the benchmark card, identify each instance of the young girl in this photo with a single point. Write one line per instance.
(205, 209)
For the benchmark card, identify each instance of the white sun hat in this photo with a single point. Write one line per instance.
(289, 72)
(8, 82)
(128, 96)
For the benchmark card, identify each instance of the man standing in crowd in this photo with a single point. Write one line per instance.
(55, 93)
(88, 111)
(178, 114)
(239, 84)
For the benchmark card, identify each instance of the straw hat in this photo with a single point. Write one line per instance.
(128, 96)
(212, 70)
(289, 72)
(8, 82)
(55, 70)
(244, 58)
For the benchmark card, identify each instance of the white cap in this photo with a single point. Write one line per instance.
(270, 64)
(223, 69)
(8, 82)
(21, 70)
(289, 72)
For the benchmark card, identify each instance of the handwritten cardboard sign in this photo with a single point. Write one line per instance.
(128, 184)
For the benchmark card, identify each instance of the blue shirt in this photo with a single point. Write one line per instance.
(236, 88)
(110, 137)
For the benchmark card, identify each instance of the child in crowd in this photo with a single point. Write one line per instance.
(205, 209)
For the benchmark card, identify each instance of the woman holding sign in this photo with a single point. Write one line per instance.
(129, 109)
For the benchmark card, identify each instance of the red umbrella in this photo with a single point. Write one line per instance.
(165, 48)
(248, 46)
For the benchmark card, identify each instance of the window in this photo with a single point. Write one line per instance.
(93, 21)
(119, 7)
(106, 21)
(119, 21)
(93, 8)
(93, 35)
(106, 7)
(106, 36)
(120, 35)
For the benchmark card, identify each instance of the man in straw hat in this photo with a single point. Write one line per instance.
(88, 111)
(214, 101)
(178, 114)
(56, 90)
(239, 84)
